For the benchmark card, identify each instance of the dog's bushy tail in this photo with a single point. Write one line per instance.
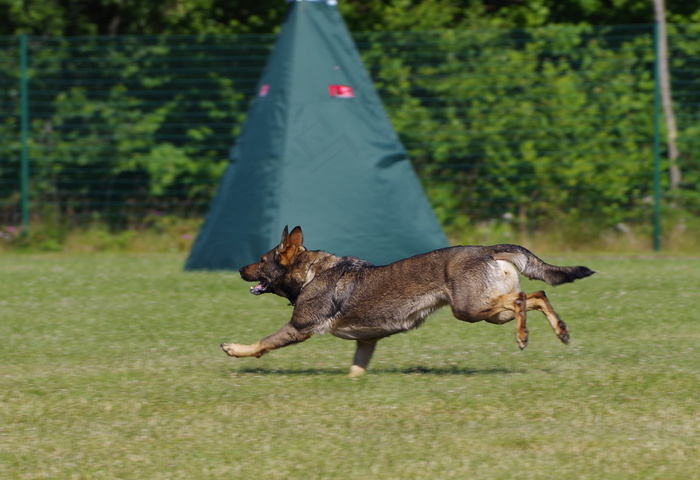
(535, 269)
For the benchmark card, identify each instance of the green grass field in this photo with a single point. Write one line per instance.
(110, 368)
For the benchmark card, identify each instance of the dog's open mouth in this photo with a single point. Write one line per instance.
(260, 288)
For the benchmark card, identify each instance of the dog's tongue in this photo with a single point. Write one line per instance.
(258, 289)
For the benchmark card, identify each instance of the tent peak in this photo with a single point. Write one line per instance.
(308, 154)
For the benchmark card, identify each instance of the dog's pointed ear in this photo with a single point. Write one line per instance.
(296, 238)
(292, 245)
(285, 239)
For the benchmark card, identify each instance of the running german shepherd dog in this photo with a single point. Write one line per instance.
(355, 300)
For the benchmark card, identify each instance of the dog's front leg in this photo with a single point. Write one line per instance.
(287, 335)
(363, 354)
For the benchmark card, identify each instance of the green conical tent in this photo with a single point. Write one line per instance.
(317, 150)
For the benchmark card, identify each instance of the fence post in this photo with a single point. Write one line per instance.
(657, 142)
(24, 134)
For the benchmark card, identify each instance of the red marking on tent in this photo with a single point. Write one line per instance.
(264, 90)
(341, 91)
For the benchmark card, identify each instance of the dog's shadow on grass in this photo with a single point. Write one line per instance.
(414, 370)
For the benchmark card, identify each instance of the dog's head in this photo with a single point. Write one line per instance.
(273, 270)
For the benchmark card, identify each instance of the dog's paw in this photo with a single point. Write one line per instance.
(522, 338)
(563, 333)
(231, 349)
(356, 371)
(564, 336)
(237, 350)
(228, 349)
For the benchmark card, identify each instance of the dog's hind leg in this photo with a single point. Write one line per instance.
(521, 333)
(539, 301)
(287, 335)
(506, 308)
(363, 354)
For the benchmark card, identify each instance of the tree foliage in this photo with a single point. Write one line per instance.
(189, 17)
(531, 124)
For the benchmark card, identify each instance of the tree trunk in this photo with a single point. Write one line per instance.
(674, 171)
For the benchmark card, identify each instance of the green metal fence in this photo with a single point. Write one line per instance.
(528, 126)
